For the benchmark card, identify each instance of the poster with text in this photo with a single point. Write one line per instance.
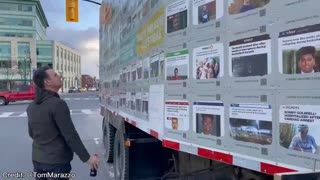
(206, 10)
(134, 72)
(208, 61)
(241, 6)
(133, 101)
(299, 128)
(177, 16)
(139, 70)
(146, 68)
(250, 57)
(177, 65)
(145, 103)
(138, 101)
(299, 50)
(161, 64)
(251, 123)
(154, 66)
(128, 99)
(177, 115)
(208, 118)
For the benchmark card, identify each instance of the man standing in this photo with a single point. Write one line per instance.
(54, 136)
(204, 15)
(307, 62)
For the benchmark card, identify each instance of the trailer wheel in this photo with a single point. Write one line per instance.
(121, 157)
(108, 140)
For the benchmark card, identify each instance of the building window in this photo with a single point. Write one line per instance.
(12, 34)
(16, 21)
(23, 49)
(5, 49)
(44, 51)
(25, 8)
(61, 53)
(5, 64)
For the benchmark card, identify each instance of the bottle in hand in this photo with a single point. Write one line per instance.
(93, 171)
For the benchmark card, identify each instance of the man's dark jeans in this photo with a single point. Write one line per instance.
(51, 168)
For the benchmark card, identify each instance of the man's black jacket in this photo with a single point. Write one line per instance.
(52, 130)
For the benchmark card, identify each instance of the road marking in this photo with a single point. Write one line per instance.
(6, 114)
(72, 112)
(67, 99)
(86, 111)
(96, 140)
(77, 98)
(23, 114)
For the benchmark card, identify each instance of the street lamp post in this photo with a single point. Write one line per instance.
(61, 73)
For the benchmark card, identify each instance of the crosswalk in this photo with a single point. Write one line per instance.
(73, 112)
(79, 99)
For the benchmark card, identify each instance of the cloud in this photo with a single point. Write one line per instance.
(82, 36)
(86, 42)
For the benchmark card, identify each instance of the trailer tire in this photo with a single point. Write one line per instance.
(121, 157)
(108, 141)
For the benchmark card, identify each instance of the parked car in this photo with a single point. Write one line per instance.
(92, 89)
(20, 93)
(73, 90)
(82, 89)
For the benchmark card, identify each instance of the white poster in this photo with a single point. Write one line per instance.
(138, 101)
(145, 103)
(298, 50)
(161, 66)
(177, 115)
(177, 16)
(299, 128)
(251, 123)
(139, 70)
(156, 107)
(250, 57)
(146, 68)
(177, 65)
(208, 118)
(208, 61)
(207, 10)
(154, 66)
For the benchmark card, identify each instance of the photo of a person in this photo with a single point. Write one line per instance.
(304, 142)
(307, 62)
(208, 124)
(175, 123)
(204, 15)
(177, 21)
(247, 6)
(208, 68)
(304, 60)
(241, 6)
(176, 74)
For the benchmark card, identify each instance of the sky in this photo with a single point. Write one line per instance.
(82, 36)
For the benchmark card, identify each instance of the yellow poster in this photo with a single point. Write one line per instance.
(151, 34)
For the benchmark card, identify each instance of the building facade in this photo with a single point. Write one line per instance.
(22, 23)
(24, 46)
(67, 62)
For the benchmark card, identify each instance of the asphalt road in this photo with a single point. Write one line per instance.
(15, 143)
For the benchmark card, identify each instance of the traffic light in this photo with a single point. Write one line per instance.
(72, 14)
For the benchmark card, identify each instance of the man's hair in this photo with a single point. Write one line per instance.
(207, 115)
(306, 50)
(175, 69)
(39, 76)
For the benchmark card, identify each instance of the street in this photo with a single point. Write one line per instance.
(15, 143)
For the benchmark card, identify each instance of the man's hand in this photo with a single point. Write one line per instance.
(93, 162)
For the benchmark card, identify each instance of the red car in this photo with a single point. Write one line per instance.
(21, 93)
